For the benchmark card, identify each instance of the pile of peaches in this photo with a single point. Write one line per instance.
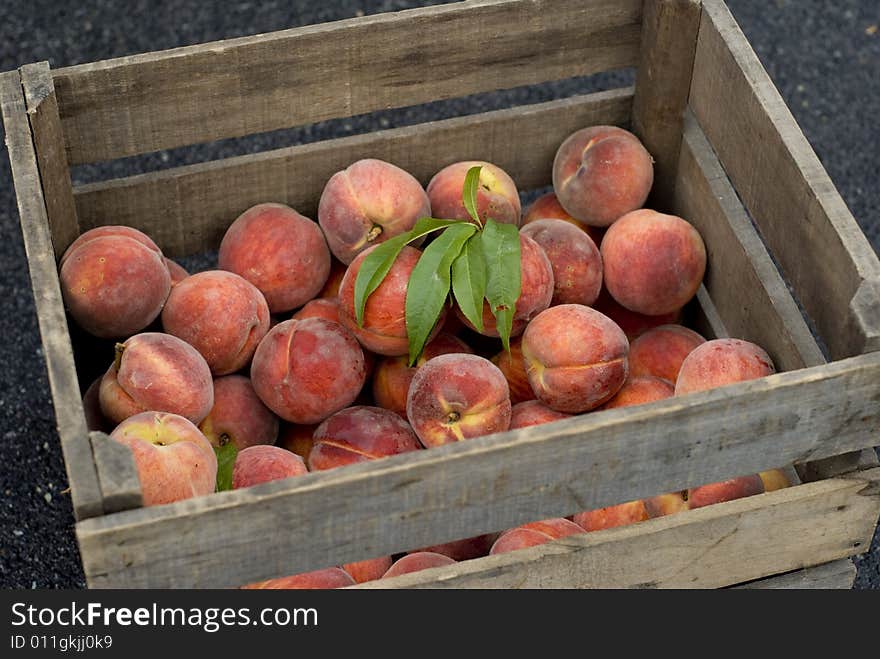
(265, 353)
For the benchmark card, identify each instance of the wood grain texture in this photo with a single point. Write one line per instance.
(42, 109)
(57, 350)
(803, 219)
(663, 81)
(117, 475)
(710, 547)
(187, 210)
(743, 282)
(236, 87)
(488, 483)
(706, 320)
(838, 574)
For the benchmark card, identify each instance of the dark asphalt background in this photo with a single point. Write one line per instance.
(824, 57)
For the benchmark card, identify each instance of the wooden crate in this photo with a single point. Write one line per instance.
(728, 152)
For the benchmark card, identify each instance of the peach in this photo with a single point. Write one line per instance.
(384, 327)
(666, 504)
(534, 533)
(220, 314)
(358, 434)
(633, 324)
(497, 196)
(177, 272)
(464, 550)
(574, 258)
(278, 250)
(368, 570)
(547, 207)
(457, 397)
(320, 307)
(328, 578)
(534, 413)
(661, 350)
(297, 438)
(173, 459)
(774, 479)
(575, 357)
(95, 419)
(366, 204)
(733, 488)
(158, 372)
(420, 560)
(393, 375)
(722, 361)
(305, 370)
(654, 263)
(601, 173)
(640, 389)
(331, 286)
(514, 368)
(114, 281)
(536, 290)
(262, 463)
(613, 516)
(238, 415)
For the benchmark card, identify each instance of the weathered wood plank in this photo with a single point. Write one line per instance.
(710, 547)
(69, 416)
(741, 278)
(237, 87)
(806, 224)
(706, 320)
(42, 109)
(117, 475)
(663, 81)
(489, 483)
(838, 574)
(188, 209)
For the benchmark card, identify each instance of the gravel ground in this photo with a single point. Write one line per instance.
(824, 57)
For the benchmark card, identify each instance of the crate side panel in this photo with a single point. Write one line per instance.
(838, 575)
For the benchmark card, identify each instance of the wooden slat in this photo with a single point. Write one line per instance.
(706, 320)
(186, 210)
(117, 475)
(69, 416)
(663, 81)
(744, 284)
(488, 483)
(710, 547)
(802, 217)
(42, 109)
(838, 574)
(237, 87)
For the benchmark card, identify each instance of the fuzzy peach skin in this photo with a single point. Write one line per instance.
(420, 560)
(326, 579)
(320, 307)
(366, 204)
(95, 419)
(159, 372)
(497, 196)
(640, 389)
(514, 368)
(358, 434)
(466, 549)
(654, 263)
(661, 350)
(574, 258)
(297, 437)
(177, 272)
(722, 361)
(774, 479)
(547, 207)
(666, 504)
(384, 327)
(613, 516)
(534, 533)
(728, 490)
(633, 324)
(305, 370)
(457, 397)
(393, 375)
(575, 357)
(534, 413)
(601, 173)
(536, 290)
(220, 314)
(331, 286)
(114, 281)
(238, 415)
(263, 463)
(368, 570)
(173, 459)
(278, 250)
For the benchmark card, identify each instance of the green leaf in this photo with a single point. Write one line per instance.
(428, 285)
(469, 193)
(501, 250)
(226, 454)
(469, 281)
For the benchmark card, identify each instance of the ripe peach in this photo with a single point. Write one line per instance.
(173, 459)
(457, 397)
(368, 203)
(282, 253)
(774, 479)
(633, 324)
(95, 419)
(328, 578)
(534, 413)
(654, 263)
(337, 272)
(601, 173)
(421, 560)
(177, 272)
(661, 350)
(640, 389)
(733, 488)
(576, 357)
(358, 434)
(612, 516)
(464, 550)
(262, 463)
(547, 207)
(497, 196)
(320, 307)
(534, 533)
(297, 438)
(722, 361)
(159, 372)
(368, 570)
(305, 370)
(238, 415)
(666, 504)
(514, 368)
(574, 258)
